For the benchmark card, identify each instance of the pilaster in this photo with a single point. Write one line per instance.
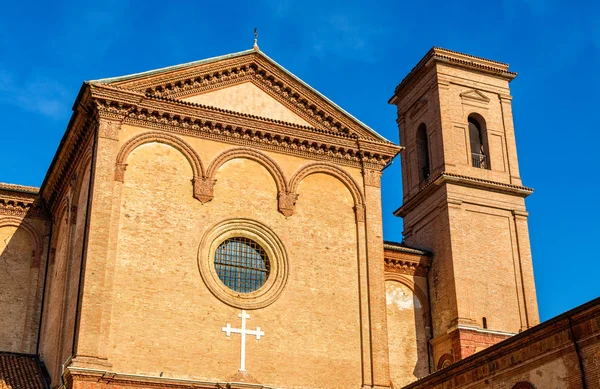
(509, 134)
(91, 350)
(376, 279)
(526, 270)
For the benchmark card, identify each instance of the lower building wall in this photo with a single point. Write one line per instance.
(62, 282)
(407, 331)
(23, 247)
(562, 353)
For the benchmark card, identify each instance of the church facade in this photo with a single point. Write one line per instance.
(218, 224)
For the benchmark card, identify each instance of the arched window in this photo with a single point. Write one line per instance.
(423, 153)
(478, 153)
(445, 361)
(523, 385)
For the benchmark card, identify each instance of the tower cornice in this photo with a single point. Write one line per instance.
(454, 58)
(450, 178)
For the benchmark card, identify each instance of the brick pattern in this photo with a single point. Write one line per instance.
(547, 355)
(355, 311)
(456, 210)
(24, 225)
(19, 371)
(466, 342)
(152, 202)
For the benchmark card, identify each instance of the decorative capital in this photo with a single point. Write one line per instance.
(109, 129)
(286, 203)
(372, 177)
(359, 210)
(120, 172)
(203, 189)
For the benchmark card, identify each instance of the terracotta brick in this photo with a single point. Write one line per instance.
(153, 167)
(473, 219)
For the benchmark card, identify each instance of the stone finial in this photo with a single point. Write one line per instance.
(203, 189)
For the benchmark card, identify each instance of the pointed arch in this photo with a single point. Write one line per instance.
(251, 154)
(158, 137)
(332, 170)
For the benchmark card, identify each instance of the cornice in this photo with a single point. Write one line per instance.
(258, 69)
(77, 374)
(19, 188)
(20, 201)
(406, 262)
(445, 177)
(252, 117)
(550, 337)
(394, 246)
(437, 54)
(70, 151)
(243, 129)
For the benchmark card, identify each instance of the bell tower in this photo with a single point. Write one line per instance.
(463, 199)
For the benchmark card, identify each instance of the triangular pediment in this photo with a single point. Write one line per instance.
(476, 95)
(248, 82)
(247, 98)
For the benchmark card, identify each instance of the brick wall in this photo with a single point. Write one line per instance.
(560, 353)
(23, 247)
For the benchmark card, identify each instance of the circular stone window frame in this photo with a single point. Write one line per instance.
(267, 239)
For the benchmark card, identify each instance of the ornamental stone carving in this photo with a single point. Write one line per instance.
(109, 129)
(203, 189)
(372, 177)
(360, 209)
(286, 203)
(120, 172)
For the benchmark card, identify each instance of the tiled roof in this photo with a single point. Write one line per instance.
(19, 188)
(18, 371)
(389, 245)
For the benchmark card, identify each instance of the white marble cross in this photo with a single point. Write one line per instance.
(243, 332)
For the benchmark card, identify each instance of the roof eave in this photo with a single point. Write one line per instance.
(112, 80)
(455, 58)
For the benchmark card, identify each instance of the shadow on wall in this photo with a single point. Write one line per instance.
(421, 339)
(407, 331)
(21, 279)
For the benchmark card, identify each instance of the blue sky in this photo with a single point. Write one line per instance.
(355, 53)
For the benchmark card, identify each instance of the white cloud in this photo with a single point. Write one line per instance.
(38, 95)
